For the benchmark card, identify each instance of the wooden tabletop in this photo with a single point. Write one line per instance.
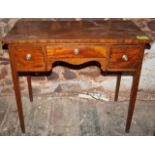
(91, 31)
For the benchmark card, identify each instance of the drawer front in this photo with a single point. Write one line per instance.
(125, 58)
(77, 52)
(29, 58)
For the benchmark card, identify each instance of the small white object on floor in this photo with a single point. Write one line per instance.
(97, 96)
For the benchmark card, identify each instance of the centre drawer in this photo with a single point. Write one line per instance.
(77, 51)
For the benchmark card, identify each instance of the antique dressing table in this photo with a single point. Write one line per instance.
(118, 46)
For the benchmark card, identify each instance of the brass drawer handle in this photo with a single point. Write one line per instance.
(76, 51)
(28, 56)
(125, 57)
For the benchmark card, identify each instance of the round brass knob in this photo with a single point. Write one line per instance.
(76, 51)
(125, 57)
(28, 56)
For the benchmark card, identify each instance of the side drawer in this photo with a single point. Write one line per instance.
(29, 58)
(125, 58)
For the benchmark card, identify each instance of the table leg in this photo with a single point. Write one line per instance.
(15, 78)
(117, 86)
(133, 96)
(18, 99)
(30, 88)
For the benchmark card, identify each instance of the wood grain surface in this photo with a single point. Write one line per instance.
(87, 31)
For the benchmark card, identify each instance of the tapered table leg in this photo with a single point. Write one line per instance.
(133, 96)
(16, 84)
(30, 88)
(117, 86)
(18, 99)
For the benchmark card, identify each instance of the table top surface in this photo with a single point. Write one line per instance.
(99, 31)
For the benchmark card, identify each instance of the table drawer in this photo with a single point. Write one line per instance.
(29, 58)
(124, 58)
(77, 52)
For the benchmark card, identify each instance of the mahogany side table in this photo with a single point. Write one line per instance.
(118, 46)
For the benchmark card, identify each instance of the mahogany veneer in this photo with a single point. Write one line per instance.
(34, 45)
